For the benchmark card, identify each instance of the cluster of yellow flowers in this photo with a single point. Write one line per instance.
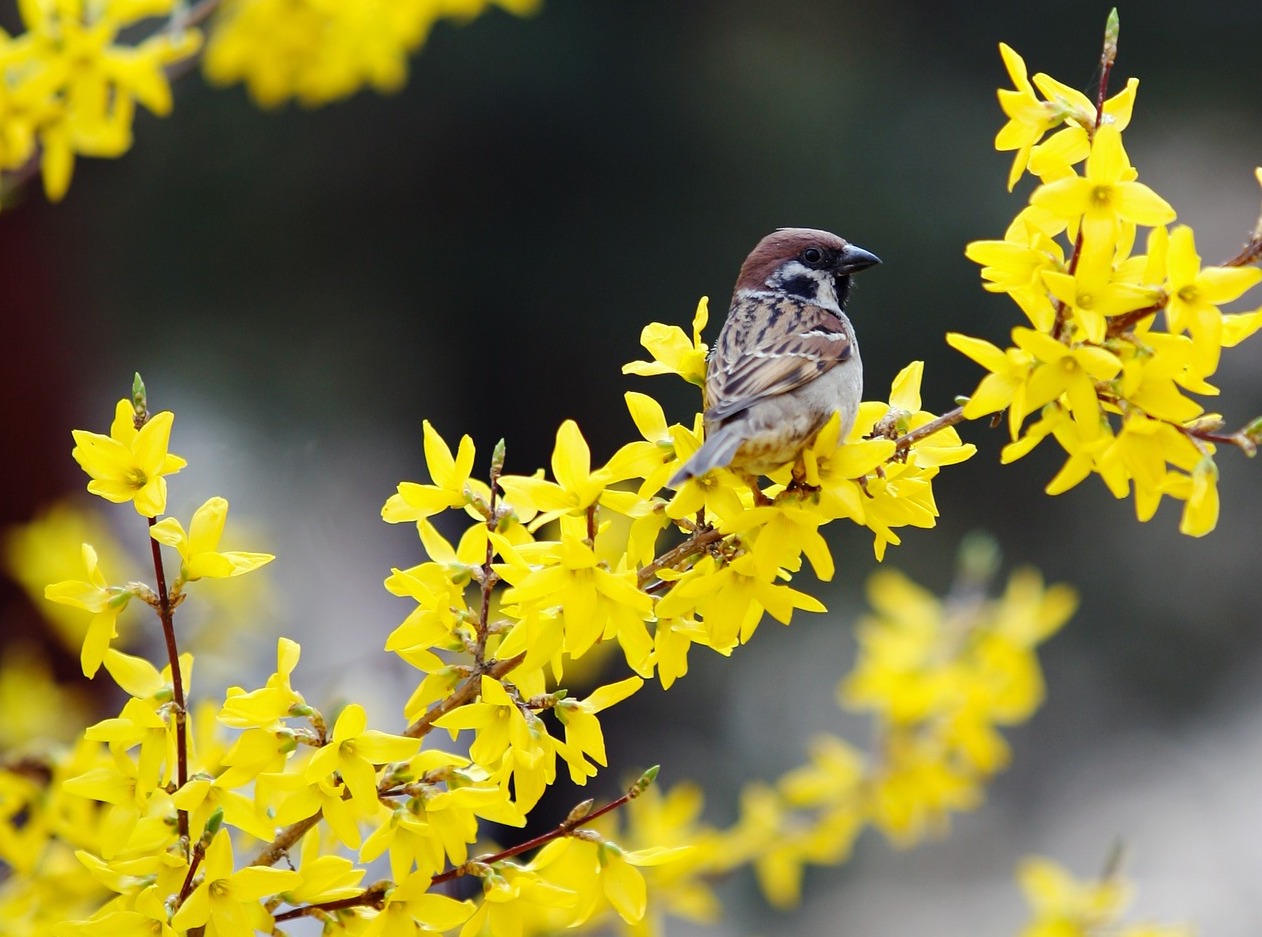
(136, 827)
(1101, 376)
(70, 83)
(318, 51)
(1063, 905)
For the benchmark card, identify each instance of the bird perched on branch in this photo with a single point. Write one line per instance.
(786, 359)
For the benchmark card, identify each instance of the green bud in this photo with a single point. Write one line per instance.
(139, 400)
(497, 459)
(1112, 27)
(213, 823)
(644, 782)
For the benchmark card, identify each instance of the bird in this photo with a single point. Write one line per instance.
(786, 358)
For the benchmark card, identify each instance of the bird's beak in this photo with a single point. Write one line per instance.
(853, 259)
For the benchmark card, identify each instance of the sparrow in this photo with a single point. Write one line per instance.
(786, 358)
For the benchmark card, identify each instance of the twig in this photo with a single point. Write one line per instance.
(577, 818)
(701, 538)
(178, 703)
(908, 439)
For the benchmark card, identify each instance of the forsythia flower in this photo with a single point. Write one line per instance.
(96, 596)
(130, 464)
(1104, 381)
(197, 547)
(71, 86)
(672, 351)
(1064, 906)
(227, 902)
(318, 51)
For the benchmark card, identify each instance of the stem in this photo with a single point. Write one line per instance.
(1119, 325)
(907, 440)
(167, 615)
(465, 693)
(374, 896)
(565, 828)
(696, 543)
(1249, 254)
(199, 853)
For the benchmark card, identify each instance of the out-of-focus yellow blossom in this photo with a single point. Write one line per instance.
(1063, 905)
(69, 84)
(35, 708)
(130, 464)
(47, 549)
(318, 51)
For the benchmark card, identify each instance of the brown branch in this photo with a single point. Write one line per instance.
(701, 538)
(577, 818)
(907, 440)
(1251, 253)
(372, 897)
(178, 702)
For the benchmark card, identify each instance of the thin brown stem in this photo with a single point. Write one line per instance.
(467, 692)
(907, 440)
(178, 702)
(1251, 253)
(1120, 325)
(199, 853)
(372, 897)
(564, 828)
(701, 538)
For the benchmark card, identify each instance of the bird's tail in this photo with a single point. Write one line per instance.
(716, 452)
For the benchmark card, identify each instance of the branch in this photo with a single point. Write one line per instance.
(578, 817)
(696, 543)
(907, 440)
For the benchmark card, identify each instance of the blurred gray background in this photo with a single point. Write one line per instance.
(482, 250)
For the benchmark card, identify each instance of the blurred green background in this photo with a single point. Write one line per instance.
(482, 250)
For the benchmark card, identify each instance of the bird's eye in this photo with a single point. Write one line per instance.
(812, 256)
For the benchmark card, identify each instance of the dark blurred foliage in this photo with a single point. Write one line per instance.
(483, 249)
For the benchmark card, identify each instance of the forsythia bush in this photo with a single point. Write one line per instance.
(189, 815)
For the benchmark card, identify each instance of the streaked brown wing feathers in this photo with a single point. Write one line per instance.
(775, 364)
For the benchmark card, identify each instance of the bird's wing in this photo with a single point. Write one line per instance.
(777, 353)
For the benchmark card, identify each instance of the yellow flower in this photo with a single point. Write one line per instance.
(96, 596)
(583, 736)
(129, 463)
(576, 487)
(672, 351)
(197, 548)
(90, 81)
(1105, 197)
(1196, 292)
(354, 751)
(228, 902)
(451, 488)
(319, 52)
(1028, 117)
(1072, 372)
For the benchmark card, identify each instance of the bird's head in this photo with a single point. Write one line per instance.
(811, 264)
